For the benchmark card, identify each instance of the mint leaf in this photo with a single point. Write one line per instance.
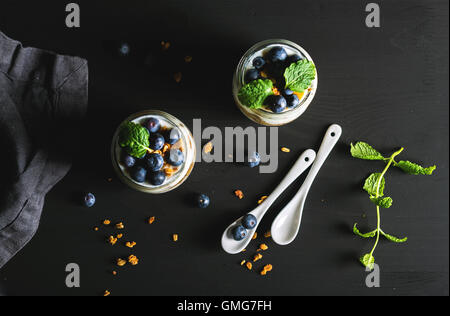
(368, 261)
(366, 235)
(385, 202)
(414, 169)
(134, 138)
(299, 75)
(393, 238)
(255, 92)
(371, 183)
(363, 150)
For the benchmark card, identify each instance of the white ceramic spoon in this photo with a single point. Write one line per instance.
(286, 225)
(232, 246)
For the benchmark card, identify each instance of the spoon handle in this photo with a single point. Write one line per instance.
(302, 163)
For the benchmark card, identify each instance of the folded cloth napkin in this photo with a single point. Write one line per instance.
(43, 98)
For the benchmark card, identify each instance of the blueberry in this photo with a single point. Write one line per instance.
(154, 162)
(152, 124)
(157, 178)
(259, 63)
(287, 92)
(128, 161)
(89, 200)
(172, 136)
(277, 103)
(294, 58)
(249, 221)
(156, 141)
(277, 53)
(175, 157)
(251, 74)
(203, 200)
(239, 232)
(138, 174)
(253, 159)
(124, 49)
(292, 101)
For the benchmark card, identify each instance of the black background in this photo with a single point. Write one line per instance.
(387, 86)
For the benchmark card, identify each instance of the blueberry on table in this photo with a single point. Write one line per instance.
(89, 200)
(124, 49)
(259, 63)
(128, 161)
(251, 75)
(175, 157)
(287, 92)
(157, 177)
(239, 232)
(294, 58)
(292, 101)
(172, 136)
(277, 53)
(277, 103)
(152, 124)
(156, 141)
(253, 159)
(138, 174)
(203, 200)
(154, 162)
(249, 221)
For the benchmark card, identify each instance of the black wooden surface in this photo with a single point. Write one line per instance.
(388, 86)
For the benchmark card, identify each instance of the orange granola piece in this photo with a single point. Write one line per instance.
(133, 260)
(262, 199)
(130, 244)
(188, 59)
(285, 149)
(165, 148)
(112, 240)
(106, 222)
(165, 45)
(96, 229)
(177, 77)
(151, 220)
(275, 91)
(239, 194)
(267, 234)
(121, 262)
(257, 257)
(208, 147)
(242, 262)
(263, 74)
(119, 236)
(114, 272)
(263, 247)
(107, 293)
(249, 265)
(175, 237)
(263, 272)
(120, 225)
(299, 94)
(268, 267)
(255, 235)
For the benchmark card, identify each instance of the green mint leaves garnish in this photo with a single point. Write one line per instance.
(375, 184)
(299, 75)
(134, 138)
(255, 92)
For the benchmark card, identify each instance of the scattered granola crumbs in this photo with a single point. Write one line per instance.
(96, 229)
(188, 59)
(119, 236)
(107, 293)
(268, 267)
(177, 77)
(114, 272)
(263, 272)
(130, 244)
(120, 225)
(262, 199)
(151, 220)
(263, 247)
(267, 234)
(106, 222)
(257, 257)
(169, 171)
(239, 194)
(285, 149)
(112, 240)
(121, 262)
(249, 265)
(309, 89)
(243, 262)
(175, 237)
(208, 147)
(165, 45)
(255, 235)
(133, 260)
(165, 148)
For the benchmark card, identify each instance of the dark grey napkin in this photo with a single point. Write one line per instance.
(43, 98)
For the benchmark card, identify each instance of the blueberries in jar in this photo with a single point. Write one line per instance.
(286, 92)
(292, 101)
(239, 232)
(138, 174)
(276, 54)
(172, 136)
(249, 221)
(128, 161)
(259, 62)
(157, 177)
(175, 157)
(251, 75)
(89, 200)
(203, 201)
(294, 58)
(277, 103)
(156, 141)
(154, 162)
(152, 124)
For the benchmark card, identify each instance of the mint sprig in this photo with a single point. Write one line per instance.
(375, 184)
(134, 139)
(299, 75)
(255, 92)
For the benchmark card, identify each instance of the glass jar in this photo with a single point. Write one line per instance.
(264, 116)
(175, 176)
